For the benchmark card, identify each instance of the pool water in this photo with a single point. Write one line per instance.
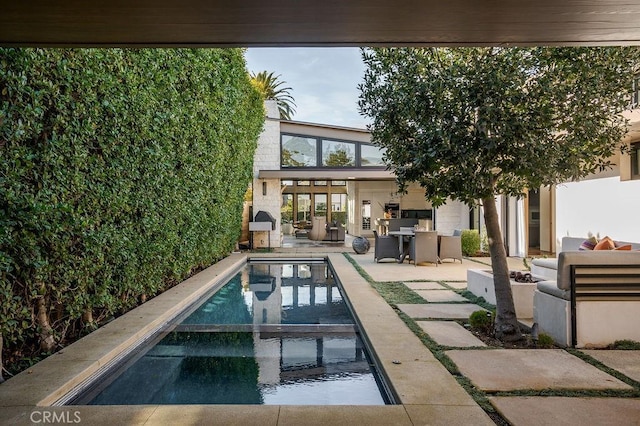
(278, 334)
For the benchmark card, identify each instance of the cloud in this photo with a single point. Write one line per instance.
(323, 80)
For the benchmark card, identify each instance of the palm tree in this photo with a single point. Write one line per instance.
(269, 86)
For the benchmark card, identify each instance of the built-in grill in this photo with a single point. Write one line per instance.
(262, 222)
(263, 216)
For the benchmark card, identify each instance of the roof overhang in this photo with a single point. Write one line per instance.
(224, 23)
(325, 174)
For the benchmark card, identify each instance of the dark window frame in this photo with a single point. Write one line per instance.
(635, 160)
(319, 145)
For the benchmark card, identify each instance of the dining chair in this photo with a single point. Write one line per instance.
(451, 247)
(424, 247)
(385, 246)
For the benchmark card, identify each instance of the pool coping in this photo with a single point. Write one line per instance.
(423, 386)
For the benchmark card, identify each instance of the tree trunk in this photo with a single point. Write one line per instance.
(47, 340)
(506, 326)
(87, 317)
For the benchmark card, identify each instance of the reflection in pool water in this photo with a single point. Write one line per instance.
(275, 334)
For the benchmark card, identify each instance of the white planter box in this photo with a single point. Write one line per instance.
(480, 283)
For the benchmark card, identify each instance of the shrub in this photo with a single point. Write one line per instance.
(630, 345)
(545, 341)
(481, 320)
(470, 240)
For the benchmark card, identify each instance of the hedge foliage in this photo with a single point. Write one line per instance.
(470, 241)
(121, 172)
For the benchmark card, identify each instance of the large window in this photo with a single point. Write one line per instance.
(338, 154)
(298, 151)
(635, 160)
(339, 208)
(320, 205)
(371, 156)
(286, 209)
(303, 207)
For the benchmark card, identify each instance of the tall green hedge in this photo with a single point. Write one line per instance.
(121, 172)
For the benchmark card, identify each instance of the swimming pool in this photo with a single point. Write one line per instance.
(275, 334)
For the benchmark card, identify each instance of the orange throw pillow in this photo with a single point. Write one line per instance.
(605, 244)
(625, 247)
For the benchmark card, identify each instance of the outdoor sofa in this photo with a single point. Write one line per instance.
(589, 298)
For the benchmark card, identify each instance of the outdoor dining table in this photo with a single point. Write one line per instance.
(402, 236)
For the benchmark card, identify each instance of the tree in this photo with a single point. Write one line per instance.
(269, 86)
(470, 124)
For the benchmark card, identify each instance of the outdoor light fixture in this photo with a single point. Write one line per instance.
(264, 188)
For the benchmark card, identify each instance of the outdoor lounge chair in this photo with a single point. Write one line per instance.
(451, 248)
(385, 247)
(424, 247)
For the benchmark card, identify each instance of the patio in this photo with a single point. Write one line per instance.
(430, 393)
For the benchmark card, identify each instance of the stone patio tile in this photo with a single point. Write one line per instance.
(441, 296)
(440, 310)
(563, 411)
(96, 415)
(343, 415)
(450, 415)
(460, 285)
(239, 415)
(513, 369)
(626, 362)
(424, 286)
(450, 333)
(418, 382)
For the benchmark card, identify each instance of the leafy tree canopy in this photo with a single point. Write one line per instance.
(468, 123)
(471, 123)
(270, 88)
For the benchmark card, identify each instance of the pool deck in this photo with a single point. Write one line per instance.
(428, 393)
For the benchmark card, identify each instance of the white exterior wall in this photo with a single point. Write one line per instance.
(450, 216)
(267, 157)
(599, 207)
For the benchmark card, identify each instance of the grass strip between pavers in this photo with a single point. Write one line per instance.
(395, 293)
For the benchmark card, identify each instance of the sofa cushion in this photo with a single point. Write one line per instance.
(588, 244)
(623, 247)
(600, 257)
(550, 287)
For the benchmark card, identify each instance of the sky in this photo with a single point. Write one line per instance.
(324, 81)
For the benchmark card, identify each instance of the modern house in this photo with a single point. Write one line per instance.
(303, 170)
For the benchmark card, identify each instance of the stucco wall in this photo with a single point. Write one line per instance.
(598, 207)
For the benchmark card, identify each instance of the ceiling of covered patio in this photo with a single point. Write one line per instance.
(200, 23)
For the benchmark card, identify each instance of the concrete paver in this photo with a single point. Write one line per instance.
(626, 362)
(440, 310)
(440, 296)
(450, 333)
(563, 411)
(232, 415)
(343, 416)
(450, 415)
(511, 369)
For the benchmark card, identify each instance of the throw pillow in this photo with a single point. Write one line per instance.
(624, 247)
(605, 244)
(588, 244)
